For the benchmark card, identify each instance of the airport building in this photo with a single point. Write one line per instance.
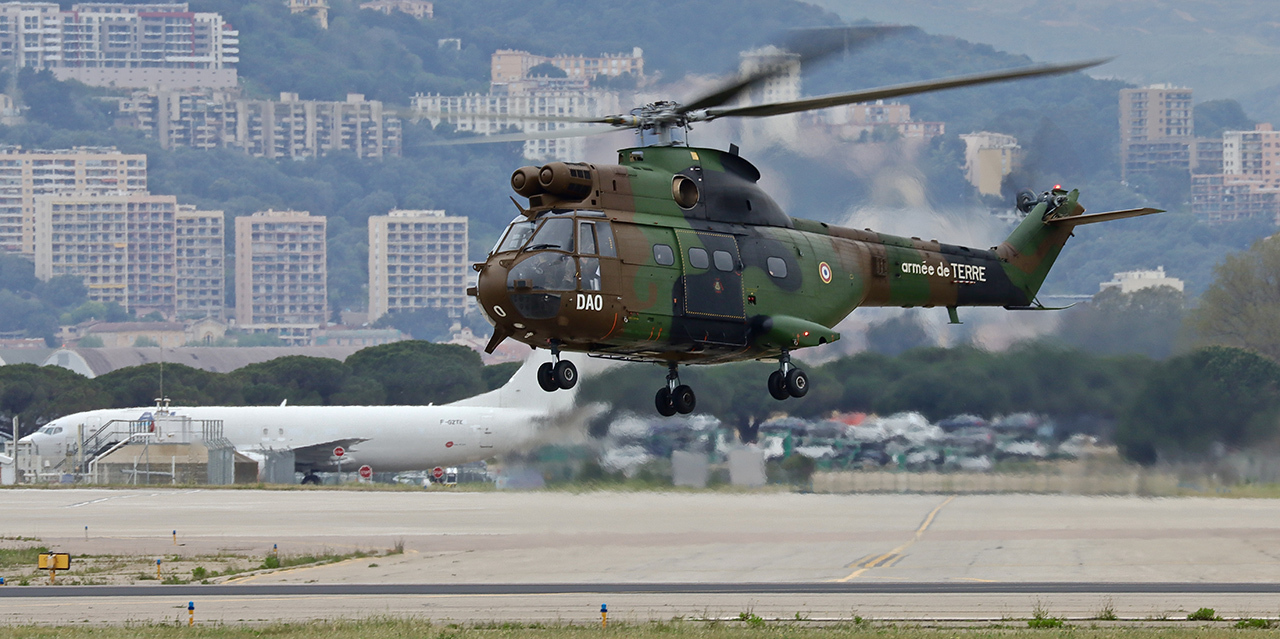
(121, 45)
(122, 245)
(200, 263)
(24, 175)
(417, 259)
(287, 128)
(280, 274)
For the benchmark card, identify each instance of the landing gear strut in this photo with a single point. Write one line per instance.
(557, 374)
(787, 381)
(674, 397)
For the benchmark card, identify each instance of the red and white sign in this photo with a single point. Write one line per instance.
(437, 472)
(339, 451)
(366, 471)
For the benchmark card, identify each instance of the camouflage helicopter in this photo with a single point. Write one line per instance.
(676, 255)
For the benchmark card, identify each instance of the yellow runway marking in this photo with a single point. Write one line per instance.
(896, 554)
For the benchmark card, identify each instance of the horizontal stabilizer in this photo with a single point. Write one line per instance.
(1077, 220)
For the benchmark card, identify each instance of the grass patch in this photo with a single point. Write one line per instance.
(1204, 614)
(1254, 623)
(403, 628)
(21, 557)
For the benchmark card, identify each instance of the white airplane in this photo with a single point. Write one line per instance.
(386, 438)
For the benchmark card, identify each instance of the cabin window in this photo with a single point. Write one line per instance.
(698, 258)
(589, 273)
(556, 233)
(663, 255)
(777, 267)
(724, 261)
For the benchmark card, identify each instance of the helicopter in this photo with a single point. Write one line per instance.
(676, 255)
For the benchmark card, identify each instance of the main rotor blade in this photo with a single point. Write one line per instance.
(897, 90)
(811, 45)
(527, 135)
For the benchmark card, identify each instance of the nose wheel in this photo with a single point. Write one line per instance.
(557, 374)
(787, 381)
(674, 397)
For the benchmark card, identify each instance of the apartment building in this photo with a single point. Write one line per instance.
(24, 175)
(581, 102)
(199, 263)
(507, 65)
(1156, 129)
(280, 274)
(417, 259)
(988, 157)
(121, 45)
(860, 121)
(288, 128)
(122, 245)
(417, 8)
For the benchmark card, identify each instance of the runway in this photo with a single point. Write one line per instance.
(551, 556)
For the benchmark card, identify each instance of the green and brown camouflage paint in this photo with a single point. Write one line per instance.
(748, 306)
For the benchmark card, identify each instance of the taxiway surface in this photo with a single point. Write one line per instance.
(671, 538)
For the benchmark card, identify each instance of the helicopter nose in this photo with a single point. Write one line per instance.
(491, 290)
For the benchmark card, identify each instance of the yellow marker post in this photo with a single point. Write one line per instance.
(53, 562)
(604, 616)
(175, 538)
(191, 613)
(157, 569)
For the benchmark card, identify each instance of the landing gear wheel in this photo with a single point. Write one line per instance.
(663, 402)
(566, 374)
(683, 399)
(311, 479)
(797, 383)
(778, 386)
(547, 378)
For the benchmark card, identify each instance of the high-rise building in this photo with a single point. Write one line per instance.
(121, 45)
(200, 263)
(121, 245)
(1248, 187)
(288, 128)
(27, 174)
(280, 274)
(1156, 129)
(417, 259)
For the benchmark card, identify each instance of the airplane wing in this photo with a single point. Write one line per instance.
(320, 455)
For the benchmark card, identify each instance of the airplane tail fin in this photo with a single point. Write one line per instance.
(523, 391)
(1034, 245)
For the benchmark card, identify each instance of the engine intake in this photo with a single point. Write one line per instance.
(570, 181)
(525, 181)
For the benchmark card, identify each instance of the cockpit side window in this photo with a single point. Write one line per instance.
(556, 233)
(517, 234)
(604, 240)
(586, 238)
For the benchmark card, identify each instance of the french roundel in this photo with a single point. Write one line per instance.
(824, 271)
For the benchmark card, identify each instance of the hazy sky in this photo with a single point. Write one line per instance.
(1219, 48)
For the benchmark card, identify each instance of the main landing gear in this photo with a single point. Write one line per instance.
(557, 374)
(674, 397)
(787, 381)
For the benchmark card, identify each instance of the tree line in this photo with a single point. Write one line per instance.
(401, 373)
